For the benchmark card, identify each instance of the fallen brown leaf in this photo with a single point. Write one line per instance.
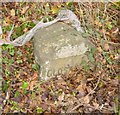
(106, 47)
(12, 12)
(61, 97)
(86, 99)
(24, 9)
(81, 90)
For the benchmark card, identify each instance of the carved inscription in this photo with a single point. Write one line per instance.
(59, 66)
(60, 71)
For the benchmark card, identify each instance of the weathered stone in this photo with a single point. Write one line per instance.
(59, 47)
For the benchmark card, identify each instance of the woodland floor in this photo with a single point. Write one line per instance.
(81, 90)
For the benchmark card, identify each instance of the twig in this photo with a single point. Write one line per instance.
(9, 35)
(0, 30)
(80, 104)
(113, 43)
(94, 87)
(104, 24)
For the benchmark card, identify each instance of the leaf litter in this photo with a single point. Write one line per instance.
(80, 90)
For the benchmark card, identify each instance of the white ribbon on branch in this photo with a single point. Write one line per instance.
(62, 16)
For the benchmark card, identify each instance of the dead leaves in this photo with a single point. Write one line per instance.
(61, 98)
(54, 9)
(7, 21)
(12, 12)
(81, 90)
(76, 92)
(106, 47)
(24, 9)
(98, 23)
(33, 81)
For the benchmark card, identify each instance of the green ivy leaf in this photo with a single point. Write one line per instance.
(24, 85)
(85, 35)
(39, 110)
(109, 26)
